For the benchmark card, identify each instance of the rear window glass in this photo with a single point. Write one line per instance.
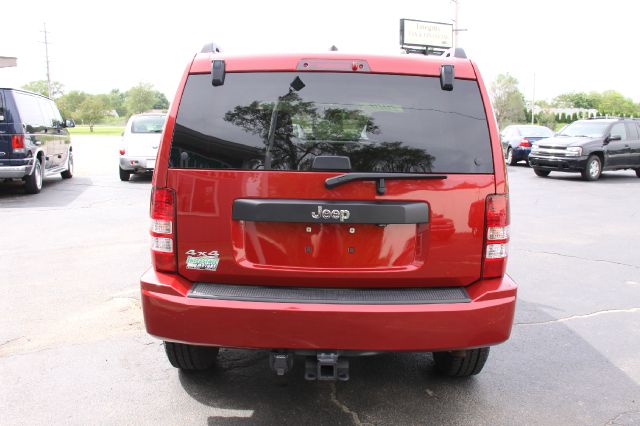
(148, 124)
(282, 121)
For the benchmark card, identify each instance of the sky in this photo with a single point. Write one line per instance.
(98, 46)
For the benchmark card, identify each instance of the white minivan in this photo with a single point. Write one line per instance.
(140, 141)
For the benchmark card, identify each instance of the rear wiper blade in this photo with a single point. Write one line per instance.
(379, 178)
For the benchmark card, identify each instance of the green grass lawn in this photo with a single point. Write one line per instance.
(97, 130)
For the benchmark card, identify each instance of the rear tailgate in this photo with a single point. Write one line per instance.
(256, 138)
(445, 251)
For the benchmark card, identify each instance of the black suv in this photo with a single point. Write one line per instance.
(590, 147)
(34, 141)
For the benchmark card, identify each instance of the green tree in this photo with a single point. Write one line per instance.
(577, 100)
(614, 103)
(42, 87)
(140, 98)
(508, 101)
(93, 109)
(161, 101)
(117, 102)
(69, 104)
(546, 119)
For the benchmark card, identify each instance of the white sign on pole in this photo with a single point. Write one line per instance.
(424, 33)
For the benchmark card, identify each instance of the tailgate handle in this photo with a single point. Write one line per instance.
(323, 211)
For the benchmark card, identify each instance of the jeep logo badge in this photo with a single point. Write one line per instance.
(341, 215)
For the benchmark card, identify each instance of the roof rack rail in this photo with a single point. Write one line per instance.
(210, 48)
(456, 52)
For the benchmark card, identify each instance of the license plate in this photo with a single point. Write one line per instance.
(151, 163)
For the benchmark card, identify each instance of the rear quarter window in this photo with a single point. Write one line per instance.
(282, 121)
(29, 110)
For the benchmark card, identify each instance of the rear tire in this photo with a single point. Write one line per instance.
(510, 160)
(33, 182)
(68, 174)
(461, 366)
(593, 169)
(541, 173)
(124, 174)
(191, 357)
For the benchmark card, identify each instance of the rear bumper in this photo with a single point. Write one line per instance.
(170, 315)
(520, 153)
(560, 164)
(137, 163)
(15, 168)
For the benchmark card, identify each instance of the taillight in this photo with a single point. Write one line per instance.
(121, 151)
(496, 236)
(163, 247)
(525, 143)
(17, 143)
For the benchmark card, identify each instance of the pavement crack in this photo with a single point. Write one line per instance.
(6, 342)
(575, 317)
(580, 258)
(354, 416)
(614, 421)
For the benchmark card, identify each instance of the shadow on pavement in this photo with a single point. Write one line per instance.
(56, 192)
(546, 374)
(140, 178)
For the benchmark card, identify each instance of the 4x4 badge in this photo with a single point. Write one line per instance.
(342, 215)
(202, 260)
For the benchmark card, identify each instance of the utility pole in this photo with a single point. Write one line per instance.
(533, 99)
(456, 26)
(46, 51)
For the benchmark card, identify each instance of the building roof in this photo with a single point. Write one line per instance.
(8, 61)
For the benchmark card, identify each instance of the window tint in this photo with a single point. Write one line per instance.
(282, 121)
(148, 124)
(29, 110)
(632, 131)
(618, 129)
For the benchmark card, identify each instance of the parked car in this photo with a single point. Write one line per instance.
(140, 141)
(518, 138)
(34, 141)
(321, 206)
(590, 147)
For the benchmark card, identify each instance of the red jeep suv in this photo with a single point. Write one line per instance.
(330, 205)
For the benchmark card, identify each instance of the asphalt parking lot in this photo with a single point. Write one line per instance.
(73, 349)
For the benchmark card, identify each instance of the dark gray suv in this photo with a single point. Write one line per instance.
(589, 147)
(34, 141)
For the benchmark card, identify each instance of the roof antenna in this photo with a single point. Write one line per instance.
(333, 48)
